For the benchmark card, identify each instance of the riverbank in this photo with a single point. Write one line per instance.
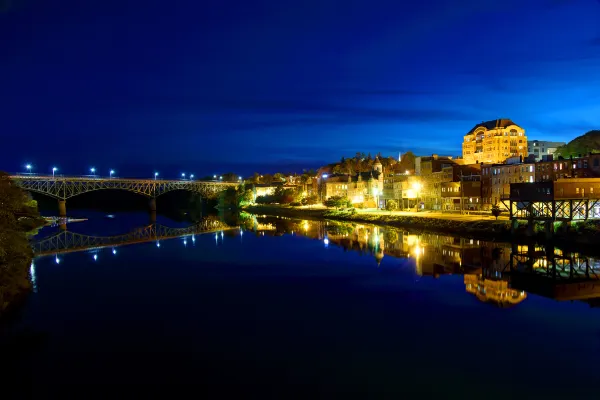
(15, 284)
(579, 234)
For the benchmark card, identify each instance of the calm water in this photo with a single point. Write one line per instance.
(306, 307)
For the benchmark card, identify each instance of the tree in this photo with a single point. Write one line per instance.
(230, 177)
(496, 211)
(266, 179)
(348, 166)
(279, 177)
(15, 252)
(245, 196)
(310, 200)
(391, 205)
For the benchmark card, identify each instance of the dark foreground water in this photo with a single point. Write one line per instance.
(286, 307)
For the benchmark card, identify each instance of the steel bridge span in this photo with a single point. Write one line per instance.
(63, 188)
(70, 242)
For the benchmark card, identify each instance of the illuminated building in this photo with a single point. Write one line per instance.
(493, 291)
(362, 188)
(496, 180)
(540, 148)
(493, 142)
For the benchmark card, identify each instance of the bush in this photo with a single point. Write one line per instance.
(391, 205)
(338, 202)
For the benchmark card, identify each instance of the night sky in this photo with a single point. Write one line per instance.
(209, 86)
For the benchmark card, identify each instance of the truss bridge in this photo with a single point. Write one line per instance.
(63, 188)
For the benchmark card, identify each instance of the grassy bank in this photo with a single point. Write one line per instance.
(579, 234)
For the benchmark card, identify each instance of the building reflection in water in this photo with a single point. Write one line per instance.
(497, 273)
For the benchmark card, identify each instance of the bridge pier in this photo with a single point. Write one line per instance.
(62, 208)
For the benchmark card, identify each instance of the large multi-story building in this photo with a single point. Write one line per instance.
(550, 169)
(430, 170)
(403, 189)
(493, 142)
(496, 179)
(539, 148)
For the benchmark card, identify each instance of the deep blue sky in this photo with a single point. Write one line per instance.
(216, 85)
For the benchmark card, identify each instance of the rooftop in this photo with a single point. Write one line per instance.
(494, 124)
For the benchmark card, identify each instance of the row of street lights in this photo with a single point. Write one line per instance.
(29, 167)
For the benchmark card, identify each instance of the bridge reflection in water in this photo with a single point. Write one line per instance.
(68, 242)
(498, 273)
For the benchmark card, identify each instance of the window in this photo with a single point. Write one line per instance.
(577, 190)
(596, 162)
(591, 190)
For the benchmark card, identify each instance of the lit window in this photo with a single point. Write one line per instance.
(577, 190)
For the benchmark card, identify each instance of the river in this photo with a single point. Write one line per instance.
(279, 305)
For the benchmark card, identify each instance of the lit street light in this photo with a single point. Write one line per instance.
(240, 178)
(214, 177)
(416, 186)
(93, 171)
(183, 175)
(155, 175)
(111, 173)
(375, 194)
(192, 176)
(28, 167)
(54, 169)
(221, 178)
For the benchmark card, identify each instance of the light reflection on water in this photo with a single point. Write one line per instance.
(499, 273)
(321, 301)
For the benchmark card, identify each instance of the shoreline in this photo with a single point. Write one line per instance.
(494, 230)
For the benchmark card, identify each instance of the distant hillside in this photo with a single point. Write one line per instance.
(588, 143)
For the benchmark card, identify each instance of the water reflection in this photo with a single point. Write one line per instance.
(68, 242)
(498, 273)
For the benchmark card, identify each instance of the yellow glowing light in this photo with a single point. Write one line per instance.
(305, 225)
(416, 186)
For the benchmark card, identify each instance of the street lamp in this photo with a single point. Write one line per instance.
(192, 176)
(93, 171)
(214, 177)
(417, 187)
(183, 175)
(376, 193)
(221, 178)
(155, 175)
(240, 178)
(54, 169)
(28, 167)
(111, 173)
